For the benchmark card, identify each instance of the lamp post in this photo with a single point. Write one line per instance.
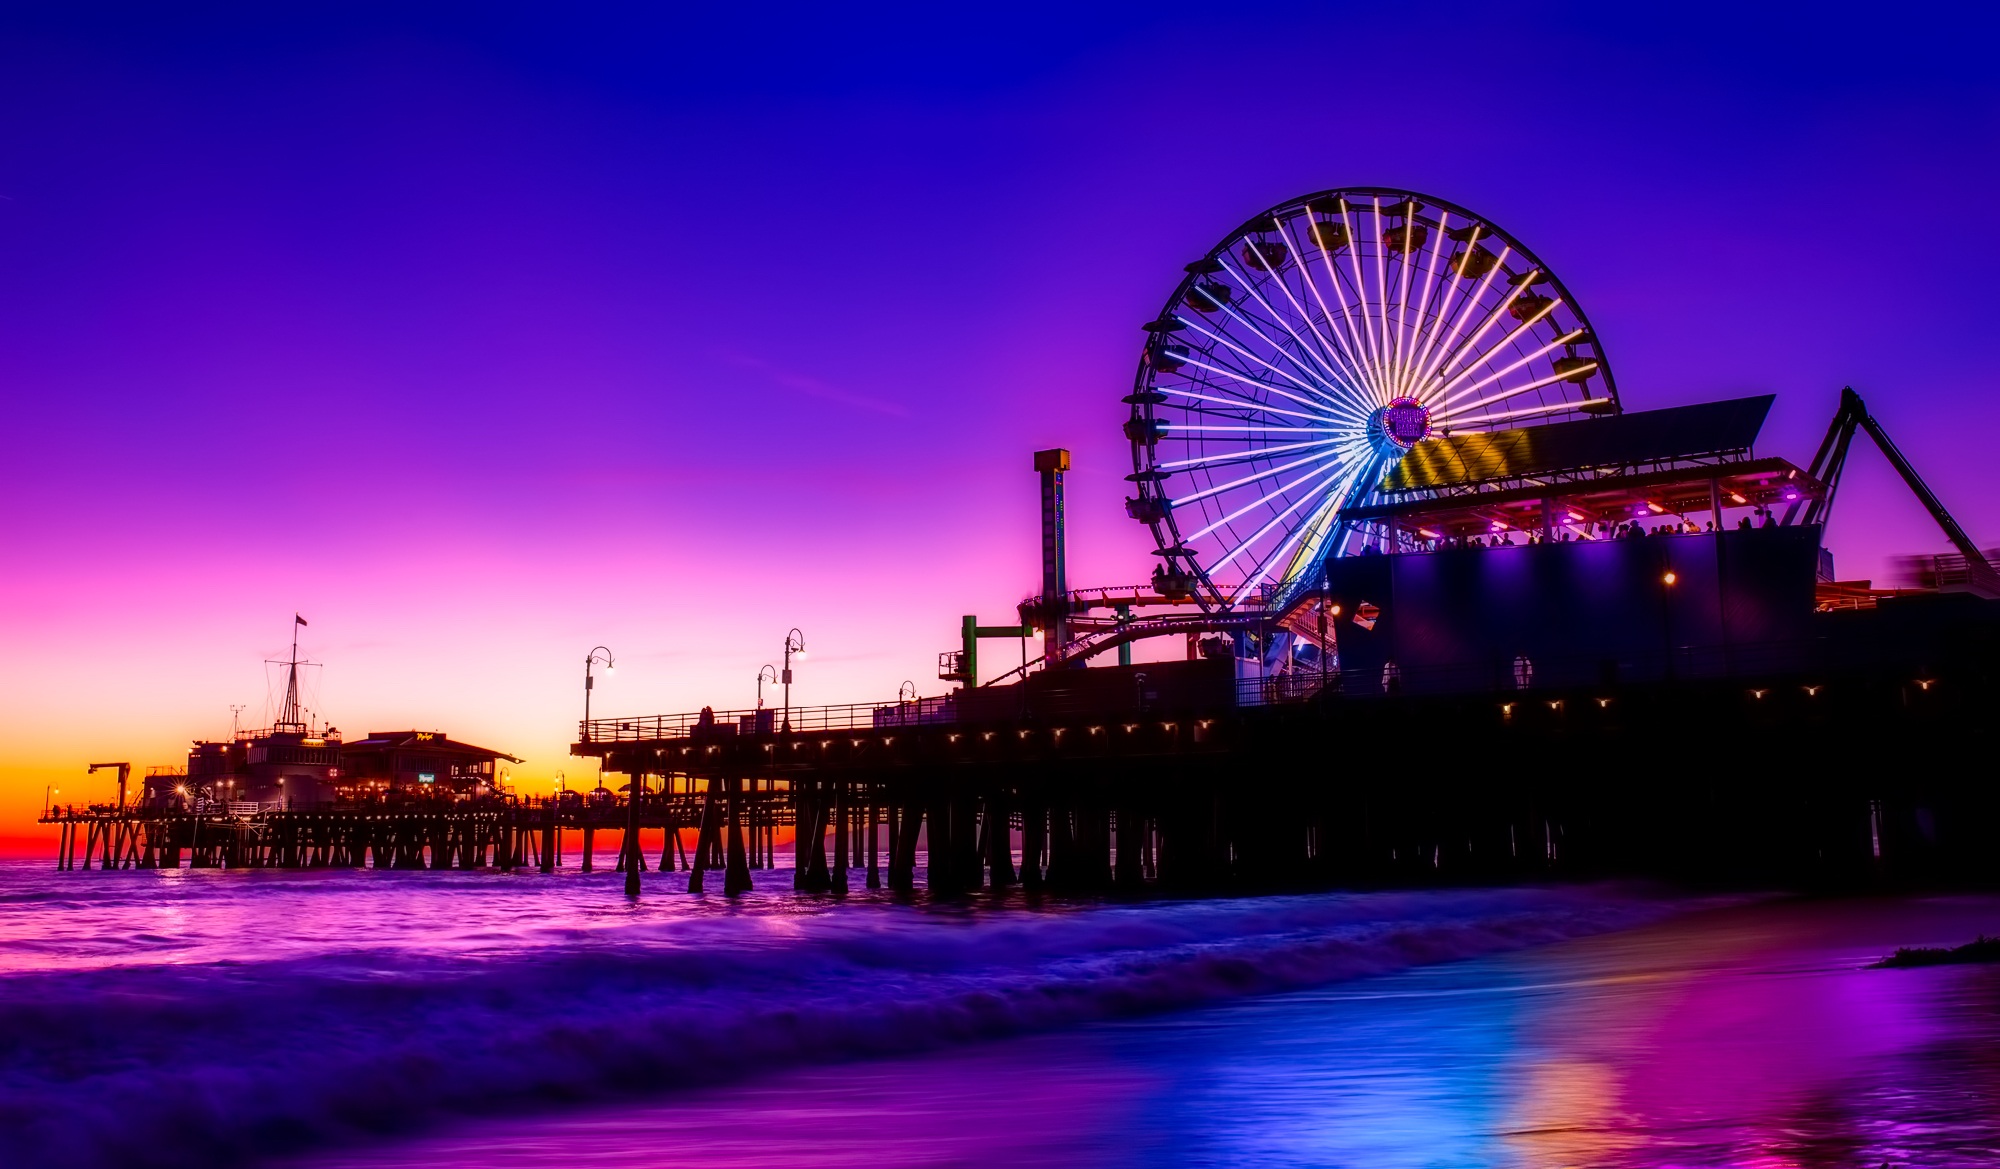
(49, 791)
(598, 656)
(765, 673)
(795, 643)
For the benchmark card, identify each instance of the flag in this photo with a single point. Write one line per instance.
(299, 619)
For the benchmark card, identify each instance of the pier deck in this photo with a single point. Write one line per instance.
(1816, 765)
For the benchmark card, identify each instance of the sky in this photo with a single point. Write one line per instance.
(481, 335)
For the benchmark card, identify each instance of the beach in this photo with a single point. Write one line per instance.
(332, 1019)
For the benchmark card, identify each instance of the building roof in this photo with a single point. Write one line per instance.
(1763, 483)
(436, 741)
(1622, 441)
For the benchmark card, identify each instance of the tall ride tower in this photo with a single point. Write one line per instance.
(1055, 572)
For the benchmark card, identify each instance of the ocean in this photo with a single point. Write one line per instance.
(387, 1019)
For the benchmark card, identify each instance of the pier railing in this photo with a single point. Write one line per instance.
(722, 724)
(1502, 675)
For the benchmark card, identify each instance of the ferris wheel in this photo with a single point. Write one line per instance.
(1308, 351)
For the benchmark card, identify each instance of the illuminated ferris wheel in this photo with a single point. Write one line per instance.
(1307, 352)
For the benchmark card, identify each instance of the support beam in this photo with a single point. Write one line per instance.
(837, 880)
(874, 842)
(704, 841)
(999, 841)
(737, 877)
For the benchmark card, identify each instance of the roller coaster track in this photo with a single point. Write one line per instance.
(1110, 636)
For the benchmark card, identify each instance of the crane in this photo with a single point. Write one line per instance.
(124, 773)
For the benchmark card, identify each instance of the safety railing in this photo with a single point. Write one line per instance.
(1499, 675)
(725, 724)
(1522, 672)
(1958, 572)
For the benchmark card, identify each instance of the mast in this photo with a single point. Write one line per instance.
(288, 718)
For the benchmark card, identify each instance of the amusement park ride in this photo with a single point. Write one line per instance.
(1450, 610)
(1373, 371)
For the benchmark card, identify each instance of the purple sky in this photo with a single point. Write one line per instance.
(483, 335)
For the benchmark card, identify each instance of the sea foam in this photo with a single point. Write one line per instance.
(169, 1056)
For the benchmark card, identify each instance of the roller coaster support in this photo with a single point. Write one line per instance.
(1832, 458)
(963, 667)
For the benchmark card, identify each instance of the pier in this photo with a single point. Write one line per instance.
(1816, 772)
(1451, 613)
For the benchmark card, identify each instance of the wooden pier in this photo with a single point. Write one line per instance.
(1831, 772)
(491, 833)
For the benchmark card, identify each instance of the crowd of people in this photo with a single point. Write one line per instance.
(1629, 530)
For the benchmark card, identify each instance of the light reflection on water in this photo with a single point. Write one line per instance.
(1742, 1037)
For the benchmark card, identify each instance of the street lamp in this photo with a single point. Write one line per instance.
(598, 656)
(795, 643)
(49, 792)
(765, 673)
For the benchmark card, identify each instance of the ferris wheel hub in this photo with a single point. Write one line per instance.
(1403, 423)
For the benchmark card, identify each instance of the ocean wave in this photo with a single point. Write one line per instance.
(222, 1063)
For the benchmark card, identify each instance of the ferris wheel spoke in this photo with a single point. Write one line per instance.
(1424, 301)
(1382, 288)
(1504, 395)
(1320, 405)
(1357, 491)
(1524, 327)
(1435, 327)
(1319, 473)
(1509, 416)
(1360, 297)
(1230, 556)
(1238, 456)
(1471, 344)
(1357, 379)
(1267, 473)
(1326, 521)
(1496, 375)
(1356, 383)
(1334, 496)
(1177, 428)
(1360, 288)
(1305, 273)
(1452, 336)
(1353, 345)
(1366, 320)
(1324, 400)
(1402, 298)
(1333, 378)
(1243, 403)
(1243, 411)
